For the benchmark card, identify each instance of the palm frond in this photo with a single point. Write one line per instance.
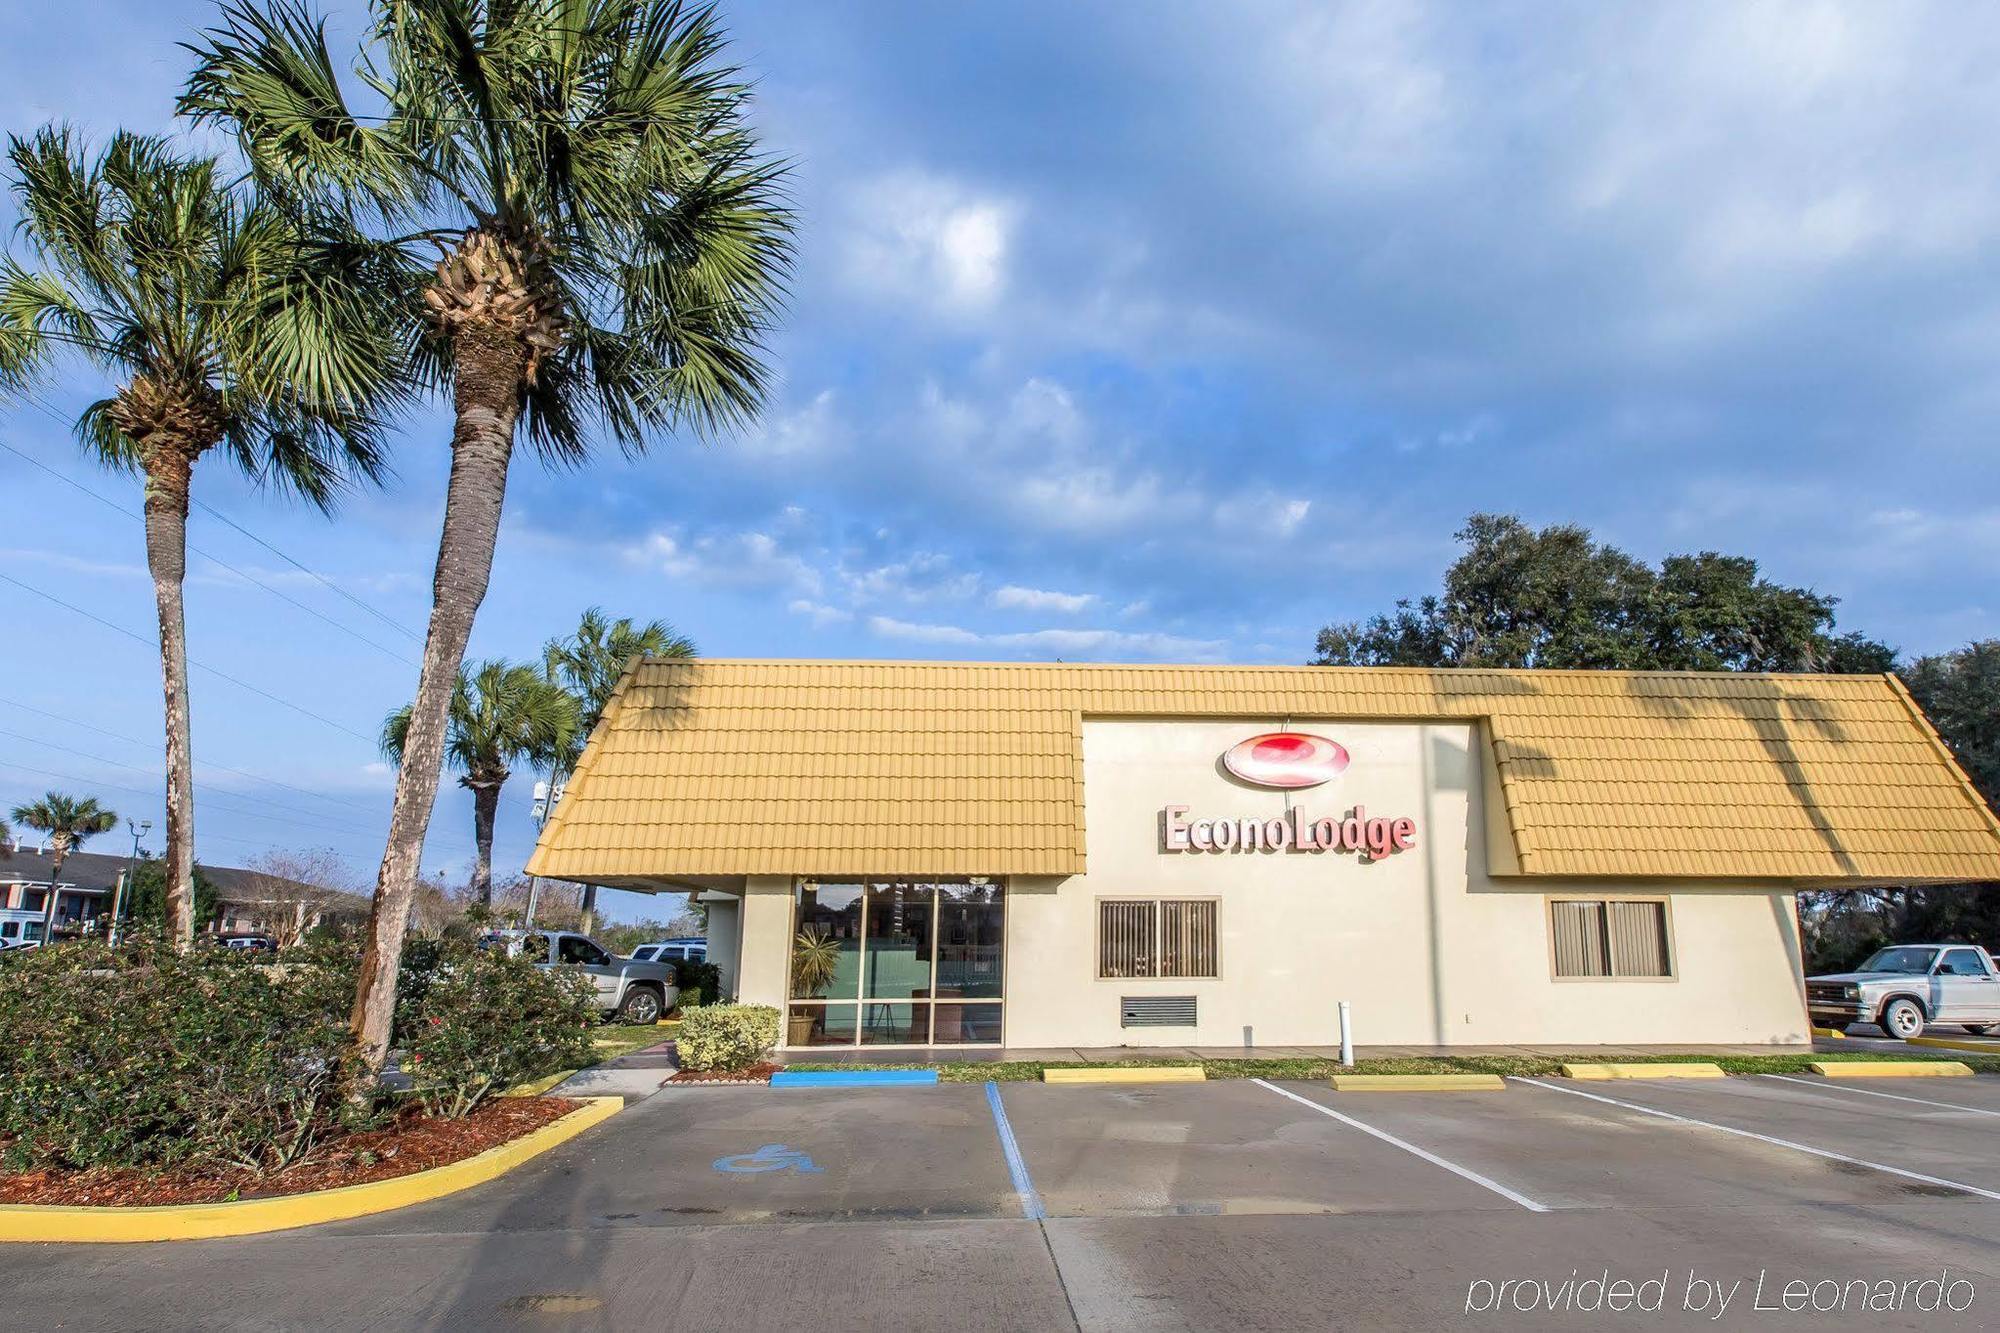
(266, 74)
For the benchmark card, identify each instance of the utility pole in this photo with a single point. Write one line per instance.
(139, 831)
(546, 797)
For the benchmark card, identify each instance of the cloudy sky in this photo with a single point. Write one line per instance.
(1136, 333)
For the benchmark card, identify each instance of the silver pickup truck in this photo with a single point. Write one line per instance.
(637, 992)
(1907, 987)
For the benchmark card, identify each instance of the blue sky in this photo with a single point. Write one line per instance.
(1140, 333)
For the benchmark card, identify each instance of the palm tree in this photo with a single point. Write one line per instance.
(591, 662)
(501, 713)
(613, 246)
(67, 823)
(218, 326)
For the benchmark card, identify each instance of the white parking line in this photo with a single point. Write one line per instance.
(1824, 1086)
(1411, 1148)
(1766, 1138)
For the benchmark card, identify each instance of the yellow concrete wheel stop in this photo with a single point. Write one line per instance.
(1986, 1047)
(1891, 1069)
(1127, 1074)
(1642, 1069)
(1417, 1083)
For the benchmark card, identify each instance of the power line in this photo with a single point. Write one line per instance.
(213, 671)
(400, 628)
(218, 560)
(218, 802)
(113, 786)
(220, 768)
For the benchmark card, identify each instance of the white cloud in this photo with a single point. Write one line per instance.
(735, 560)
(890, 628)
(1066, 643)
(813, 430)
(819, 613)
(1041, 599)
(912, 236)
(922, 576)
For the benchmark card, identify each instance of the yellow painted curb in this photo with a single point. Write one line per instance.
(1828, 1032)
(1127, 1074)
(200, 1221)
(1958, 1044)
(1417, 1083)
(535, 1087)
(1640, 1069)
(1891, 1069)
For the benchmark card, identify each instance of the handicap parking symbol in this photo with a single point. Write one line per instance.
(770, 1157)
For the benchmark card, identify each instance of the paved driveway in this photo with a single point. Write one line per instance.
(1229, 1205)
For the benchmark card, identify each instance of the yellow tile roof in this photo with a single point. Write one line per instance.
(713, 768)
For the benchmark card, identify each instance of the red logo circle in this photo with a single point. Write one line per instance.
(1287, 759)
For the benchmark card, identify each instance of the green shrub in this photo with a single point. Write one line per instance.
(700, 983)
(726, 1036)
(150, 1058)
(474, 1022)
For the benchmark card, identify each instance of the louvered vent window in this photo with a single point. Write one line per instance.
(1156, 938)
(1610, 937)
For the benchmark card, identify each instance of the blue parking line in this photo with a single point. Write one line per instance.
(1031, 1202)
(855, 1078)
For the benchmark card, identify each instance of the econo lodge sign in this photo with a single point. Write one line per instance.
(1287, 761)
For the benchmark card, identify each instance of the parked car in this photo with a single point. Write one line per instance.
(248, 943)
(636, 990)
(1907, 987)
(681, 949)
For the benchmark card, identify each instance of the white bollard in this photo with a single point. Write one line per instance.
(1346, 1038)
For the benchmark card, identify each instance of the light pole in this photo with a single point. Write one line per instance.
(546, 796)
(139, 831)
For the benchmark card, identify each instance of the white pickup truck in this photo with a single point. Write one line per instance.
(636, 991)
(1907, 987)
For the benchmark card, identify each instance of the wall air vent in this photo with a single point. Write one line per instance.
(1156, 1011)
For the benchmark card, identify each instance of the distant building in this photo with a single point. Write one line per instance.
(248, 901)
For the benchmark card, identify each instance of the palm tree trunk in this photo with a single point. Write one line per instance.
(485, 805)
(169, 469)
(56, 859)
(486, 398)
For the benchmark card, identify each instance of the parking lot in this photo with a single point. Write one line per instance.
(1230, 1204)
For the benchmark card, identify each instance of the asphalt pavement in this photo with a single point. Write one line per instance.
(1227, 1205)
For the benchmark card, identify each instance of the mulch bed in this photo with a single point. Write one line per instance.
(416, 1142)
(754, 1074)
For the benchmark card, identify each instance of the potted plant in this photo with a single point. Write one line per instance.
(815, 959)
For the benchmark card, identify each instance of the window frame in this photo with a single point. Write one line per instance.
(859, 1003)
(1158, 902)
(1944, 956)
(1666, 904)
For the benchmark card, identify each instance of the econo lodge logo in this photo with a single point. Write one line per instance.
(1286, 759)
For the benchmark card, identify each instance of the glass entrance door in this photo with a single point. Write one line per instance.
(897, 963)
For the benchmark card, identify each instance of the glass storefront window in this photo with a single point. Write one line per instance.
(826, 943)
(895, 1024)
(820, 1025)
(966, 1024)
(902, 949)
(898, 962)
(970, 933)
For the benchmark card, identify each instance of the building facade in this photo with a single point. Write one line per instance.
(909, 854)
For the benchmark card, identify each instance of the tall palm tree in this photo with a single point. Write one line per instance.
(613, 246)
(590, 662)
(502, 713)
(219, 327)
(67, 822)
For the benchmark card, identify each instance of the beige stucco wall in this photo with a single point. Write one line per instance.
(1426, 945)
